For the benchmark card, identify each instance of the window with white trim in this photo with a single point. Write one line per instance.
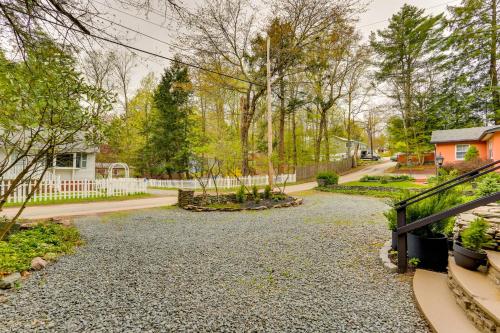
(460, 151)
(81, 160)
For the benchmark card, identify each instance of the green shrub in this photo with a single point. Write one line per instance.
(240, 194)
(44, 240)
(387, 178)
(427, 207)
(255, 192)
(471, 154)
(474, 237)
(488, 184)
(414, 262)
(330, 177)
(267, 192)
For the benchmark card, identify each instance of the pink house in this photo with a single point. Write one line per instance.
(453, 144)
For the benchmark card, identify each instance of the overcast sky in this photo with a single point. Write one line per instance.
(161, 28)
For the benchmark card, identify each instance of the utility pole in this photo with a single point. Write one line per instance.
(270, 170)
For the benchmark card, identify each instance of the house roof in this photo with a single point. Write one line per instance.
(462, 134)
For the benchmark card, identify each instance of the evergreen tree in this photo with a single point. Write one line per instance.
(171, 130)
(473, 68)
(407, 61)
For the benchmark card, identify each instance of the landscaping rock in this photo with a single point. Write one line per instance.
(10, 281)
(38, 264)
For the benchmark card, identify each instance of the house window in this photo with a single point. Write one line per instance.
(490, 149)
(64, 160)
(460, 151)
(81, 160)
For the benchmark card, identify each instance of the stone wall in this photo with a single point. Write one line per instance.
(185, 198)
(491, 213)
(483, 322)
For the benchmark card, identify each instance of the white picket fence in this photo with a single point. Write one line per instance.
(50, 190)
(221, 182)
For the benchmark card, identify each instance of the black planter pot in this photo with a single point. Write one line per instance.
(394, 244)
(467, 258)
(432, 252)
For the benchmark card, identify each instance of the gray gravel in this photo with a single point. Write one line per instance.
(313, 268)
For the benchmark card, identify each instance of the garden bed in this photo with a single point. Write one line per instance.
(32, 246)
(230, 202)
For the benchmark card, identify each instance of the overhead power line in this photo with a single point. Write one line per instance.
(431, 7)
(116, 42)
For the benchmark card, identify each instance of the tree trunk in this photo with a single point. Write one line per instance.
(319, 138)
(244, 129)
(294, 140)
(281, 139)
(327, 141)
(493, 65)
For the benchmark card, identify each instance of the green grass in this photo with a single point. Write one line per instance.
(82, 200)
(45, 240)
(367, 192)
(400, 185)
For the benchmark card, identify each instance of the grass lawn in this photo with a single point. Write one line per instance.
(401, 185)
(82, 200)
(367, 192)
(48, 241)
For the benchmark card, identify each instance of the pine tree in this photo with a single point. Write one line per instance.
(172, 127)
(474, 52)
(408, 56)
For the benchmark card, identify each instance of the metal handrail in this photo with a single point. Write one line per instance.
(463, 178)
(403, 228)
(449, 213)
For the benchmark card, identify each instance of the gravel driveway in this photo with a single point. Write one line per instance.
(313, 268)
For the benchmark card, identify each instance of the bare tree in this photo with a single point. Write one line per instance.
(123, 63)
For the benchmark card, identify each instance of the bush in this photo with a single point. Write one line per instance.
(471, 154)
(267, 192)
(464, 166)
(427, 207)
(388, 178)
(44, 240)
(474, 237)
(240, 195)
(330, 177)
(488, 184)
(255, 192)
(384, 181)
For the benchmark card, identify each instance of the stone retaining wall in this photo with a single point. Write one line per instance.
(491, 213)
(481, 320)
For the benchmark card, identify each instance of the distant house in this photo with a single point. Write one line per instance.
(340, 146)
(453, 144)
(77, 164)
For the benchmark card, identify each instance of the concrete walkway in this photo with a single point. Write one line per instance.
(163, 198)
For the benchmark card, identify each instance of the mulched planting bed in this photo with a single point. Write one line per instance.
(229, 203)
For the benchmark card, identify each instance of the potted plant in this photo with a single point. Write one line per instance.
(469, 253)
(430, 243)
(393, 227)
(327, 178)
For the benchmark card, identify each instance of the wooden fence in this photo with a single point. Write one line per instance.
(50, 190)
(221, 182)
(310, 171)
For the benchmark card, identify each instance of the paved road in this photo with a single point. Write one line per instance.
(164, 198)
(312, 268)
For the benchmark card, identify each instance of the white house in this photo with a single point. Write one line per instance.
(77, 164)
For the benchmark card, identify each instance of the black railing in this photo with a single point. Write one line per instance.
(403, 228)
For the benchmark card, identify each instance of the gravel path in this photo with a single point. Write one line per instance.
(312, 268)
